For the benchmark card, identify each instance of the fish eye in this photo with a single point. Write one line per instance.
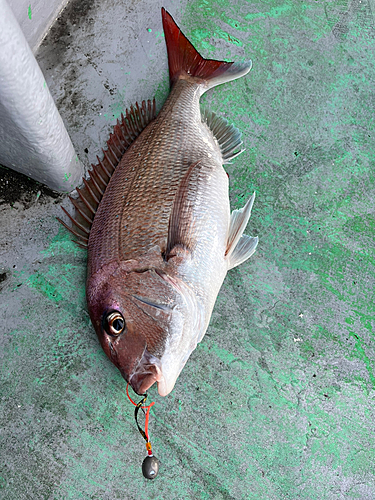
(114, 323)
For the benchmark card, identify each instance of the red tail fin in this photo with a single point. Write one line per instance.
(184, 59)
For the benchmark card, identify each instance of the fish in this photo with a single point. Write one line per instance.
(155, 218)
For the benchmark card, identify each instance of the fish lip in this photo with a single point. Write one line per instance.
(163, 389)
(147, 372)
(141, 382)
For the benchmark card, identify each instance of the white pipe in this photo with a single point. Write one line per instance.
(33, 138)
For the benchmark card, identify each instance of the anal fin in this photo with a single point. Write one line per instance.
(243, 250)
(238, 222)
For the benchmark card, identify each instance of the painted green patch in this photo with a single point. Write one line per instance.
(275, 12)
(29, 13)
(44, 286)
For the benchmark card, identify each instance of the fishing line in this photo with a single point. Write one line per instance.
(150, 465)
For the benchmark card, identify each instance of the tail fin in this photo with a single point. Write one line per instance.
(183, 59)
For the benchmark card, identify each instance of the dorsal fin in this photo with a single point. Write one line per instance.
(227, 135)
(124, 134)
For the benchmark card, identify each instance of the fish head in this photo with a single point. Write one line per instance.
(135, 314)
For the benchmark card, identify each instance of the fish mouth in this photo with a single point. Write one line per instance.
(147, 372)
(142, 381)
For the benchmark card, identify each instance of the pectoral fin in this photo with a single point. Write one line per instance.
(181, 222)
(240, 247)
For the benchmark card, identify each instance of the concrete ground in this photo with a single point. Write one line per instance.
(277, 402)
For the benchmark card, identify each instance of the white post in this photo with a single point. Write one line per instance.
(33, 138)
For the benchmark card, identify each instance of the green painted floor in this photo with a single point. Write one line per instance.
(277, 402)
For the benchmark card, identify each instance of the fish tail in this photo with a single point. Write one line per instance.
(185, 60)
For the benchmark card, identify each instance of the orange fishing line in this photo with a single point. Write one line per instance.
(147, 408)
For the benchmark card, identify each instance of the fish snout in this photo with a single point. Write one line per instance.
(146, 374)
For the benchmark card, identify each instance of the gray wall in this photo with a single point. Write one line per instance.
(33, 138)
(42, 13)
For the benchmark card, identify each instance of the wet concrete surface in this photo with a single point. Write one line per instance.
(277, 402)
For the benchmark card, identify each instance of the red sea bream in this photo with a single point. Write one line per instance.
(156, 221)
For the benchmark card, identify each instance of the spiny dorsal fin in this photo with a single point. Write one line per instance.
(124, 133)
(243, 250)
(238, 222)
(228, 136)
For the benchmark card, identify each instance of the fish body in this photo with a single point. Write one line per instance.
(163, 236)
